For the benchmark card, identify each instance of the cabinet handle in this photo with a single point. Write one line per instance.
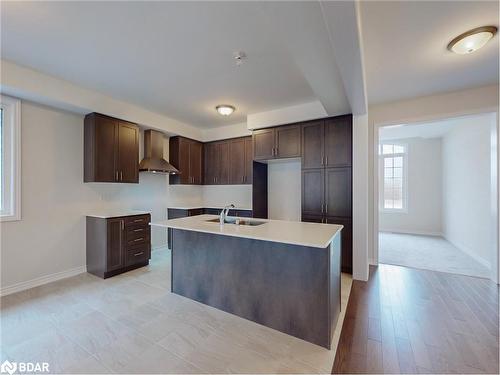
(326, 160)
(138, 220)
(121, 176)
(138, 230)
(326, 208)
(322, 208)
(322, 160)
(122, 224)
(139, 239)
(137, 254)
(116, 176)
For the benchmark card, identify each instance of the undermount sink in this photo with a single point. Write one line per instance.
(232, 220)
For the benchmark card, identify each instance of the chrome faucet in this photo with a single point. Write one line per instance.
(224, 213)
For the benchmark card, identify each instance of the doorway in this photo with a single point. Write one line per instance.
(437, 195)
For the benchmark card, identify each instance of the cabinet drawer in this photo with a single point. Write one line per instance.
(139, 240)
(133, 233)
(136, 220)
(137, 254)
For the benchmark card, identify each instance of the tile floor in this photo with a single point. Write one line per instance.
(132, 324)
(427, 252)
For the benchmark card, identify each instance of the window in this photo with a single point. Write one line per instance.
(10, 158)
(393, 172)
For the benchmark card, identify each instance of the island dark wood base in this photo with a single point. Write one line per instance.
(293, 289)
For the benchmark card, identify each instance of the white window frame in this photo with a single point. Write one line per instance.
(11, 168)
(381, 189)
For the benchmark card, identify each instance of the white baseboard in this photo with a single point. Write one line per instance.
(41, 280)
(471, 253)
(416, 232)
(24, 285)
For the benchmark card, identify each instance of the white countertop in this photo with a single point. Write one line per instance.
(289, 232)
(216, 207)
(106, 214)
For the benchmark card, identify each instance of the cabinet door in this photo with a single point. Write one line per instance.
(312, 144)
(288, 141)
(105, 149)
(195, 163)
(338, 141)
(338, 192)
(313, 182)
(128, 152)
(263, 144)
(248, 160)
(183, 161)
(115, 246)
(237, 164)
(210, 161)
(346, 243)
(223, 163)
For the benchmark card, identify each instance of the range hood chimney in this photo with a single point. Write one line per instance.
(153, 154)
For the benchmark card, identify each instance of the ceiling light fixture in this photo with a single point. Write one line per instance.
(472, 40)
(225, 109)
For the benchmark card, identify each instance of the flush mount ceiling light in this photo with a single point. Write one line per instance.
(472, 40)
(225, 109)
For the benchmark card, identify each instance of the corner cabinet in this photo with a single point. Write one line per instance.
(111, 150)
(117, 244)
(187, 156)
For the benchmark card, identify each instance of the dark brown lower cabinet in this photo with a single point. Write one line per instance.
(118, 244)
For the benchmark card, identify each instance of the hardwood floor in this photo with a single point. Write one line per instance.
(405, 320)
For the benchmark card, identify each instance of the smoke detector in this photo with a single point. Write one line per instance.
(239, 57)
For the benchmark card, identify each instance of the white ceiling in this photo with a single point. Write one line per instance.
(434, 129)
(175, 58)
(405, 47)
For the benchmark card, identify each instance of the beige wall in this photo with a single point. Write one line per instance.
(50, 237)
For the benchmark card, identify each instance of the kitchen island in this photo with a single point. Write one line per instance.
(281, 274)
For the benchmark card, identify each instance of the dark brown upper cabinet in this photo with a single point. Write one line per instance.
(237, 167)
(111, 150)
(276, 143)
(187, 156)
(313, 144)
(263, 144)
(327, 143)
(338, 141)
(248, 160)
(240, 170)
(226, 162)
(217, 167)
(287, 141)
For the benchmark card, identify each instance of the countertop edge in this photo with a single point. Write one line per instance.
(253, 237)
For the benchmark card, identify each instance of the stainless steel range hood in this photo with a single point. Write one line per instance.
(153, 154)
